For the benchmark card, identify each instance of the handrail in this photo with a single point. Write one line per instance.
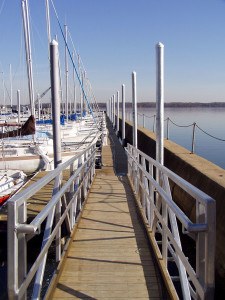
(65, 205)
(180, 214)
(161, 214)
(30, 191)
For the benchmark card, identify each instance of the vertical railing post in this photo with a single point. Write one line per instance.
(150, 210)
(17, 249)
(144, 120)
(210, 250)
(84, 174)
(123, 115)
(134, 109)
(79, 200)
(193, 138)
(72, 219)
(93, 167)
(118, 114)
(200, 245)
(144, 183)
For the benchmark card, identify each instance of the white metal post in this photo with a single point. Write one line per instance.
(55, 102)
(18, 104)
(134, 106)
(123, 114)
(107, 109)
(114, 110)
(159, 102)
(118, 114)
(110, 109)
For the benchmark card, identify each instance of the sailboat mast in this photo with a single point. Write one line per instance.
(26, 26)
(10, 71)
(48, 23)
(66, 71)
(74, 88)
(81, 92)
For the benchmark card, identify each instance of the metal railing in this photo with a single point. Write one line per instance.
(163, 216)
(64, 206)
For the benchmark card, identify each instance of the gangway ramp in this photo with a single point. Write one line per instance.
(109, 255)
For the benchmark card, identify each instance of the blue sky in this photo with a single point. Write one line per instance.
(116, 37)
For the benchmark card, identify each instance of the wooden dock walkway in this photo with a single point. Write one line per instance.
(109, 255)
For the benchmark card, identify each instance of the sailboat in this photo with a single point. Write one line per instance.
(36, 152)
(10, 182)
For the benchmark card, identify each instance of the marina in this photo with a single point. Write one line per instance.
(106, 214)
(101, 203)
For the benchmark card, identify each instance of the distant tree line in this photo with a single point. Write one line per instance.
(169, 104)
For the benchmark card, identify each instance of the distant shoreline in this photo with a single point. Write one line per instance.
(172, 104)
(102, 105)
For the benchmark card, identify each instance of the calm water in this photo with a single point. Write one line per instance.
(211, 120)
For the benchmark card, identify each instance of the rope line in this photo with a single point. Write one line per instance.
(179, 125)
(150, 116)
(71, 58)
(214, 137)
(146, 116)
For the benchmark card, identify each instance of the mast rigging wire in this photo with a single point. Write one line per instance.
(71, 58)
